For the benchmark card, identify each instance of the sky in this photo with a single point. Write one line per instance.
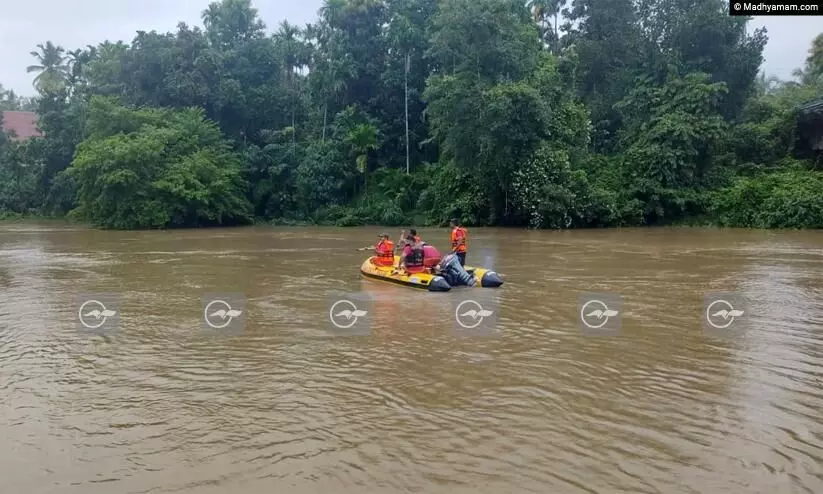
(78, 23)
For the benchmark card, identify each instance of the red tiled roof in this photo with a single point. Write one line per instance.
(21, 125)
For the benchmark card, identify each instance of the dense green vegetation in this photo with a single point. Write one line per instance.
(545, 114)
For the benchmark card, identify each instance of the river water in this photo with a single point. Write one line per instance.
(161, 405)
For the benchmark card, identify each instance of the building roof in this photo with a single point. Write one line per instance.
(814, 106)
(21, 125)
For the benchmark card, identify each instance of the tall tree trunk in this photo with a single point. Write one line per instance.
(293, 105)
(556, 37)
(406, 82)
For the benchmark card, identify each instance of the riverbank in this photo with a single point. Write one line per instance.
(10, 216)
(348, 222)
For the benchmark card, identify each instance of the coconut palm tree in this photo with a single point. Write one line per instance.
(52, 68)
(77, 60)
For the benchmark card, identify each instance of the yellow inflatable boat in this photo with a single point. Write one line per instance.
(427, 280)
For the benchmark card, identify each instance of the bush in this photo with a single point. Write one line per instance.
(786, 199)
(324, 178)
(153, 168)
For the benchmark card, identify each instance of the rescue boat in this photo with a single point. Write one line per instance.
(427, 280)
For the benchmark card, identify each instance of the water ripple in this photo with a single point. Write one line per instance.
(161, 406)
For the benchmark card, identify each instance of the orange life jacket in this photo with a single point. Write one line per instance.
(457, 233)
(385, 250)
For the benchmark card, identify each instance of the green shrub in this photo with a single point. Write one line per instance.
(786, 199)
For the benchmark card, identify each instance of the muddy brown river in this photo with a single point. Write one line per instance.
(160, 403)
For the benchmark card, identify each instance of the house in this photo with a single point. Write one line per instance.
(21, 125)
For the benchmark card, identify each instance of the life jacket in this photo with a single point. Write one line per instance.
(385, 253)
(457, 233)
(415, 257)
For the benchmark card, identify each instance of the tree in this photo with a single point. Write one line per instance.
(10, 101)
(706, 39)
(812, 73)
(156, 168)
(362, 139)
(544, 12)
(349, 55)
(231, 22)
(547, 113)
(481, 113)
(52, 69)
(814, 62)
(403, 80)
(610, 52)
(295, 57)
(78, 61)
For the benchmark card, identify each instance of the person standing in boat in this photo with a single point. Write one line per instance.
(459, 238)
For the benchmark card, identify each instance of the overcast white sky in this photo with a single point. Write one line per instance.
(77, 23)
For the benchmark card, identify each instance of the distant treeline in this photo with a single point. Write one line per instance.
(544, 114)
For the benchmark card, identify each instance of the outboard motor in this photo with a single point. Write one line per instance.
(453, 272)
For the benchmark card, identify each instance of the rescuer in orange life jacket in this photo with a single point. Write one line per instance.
(384, 251)
(459, 238)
